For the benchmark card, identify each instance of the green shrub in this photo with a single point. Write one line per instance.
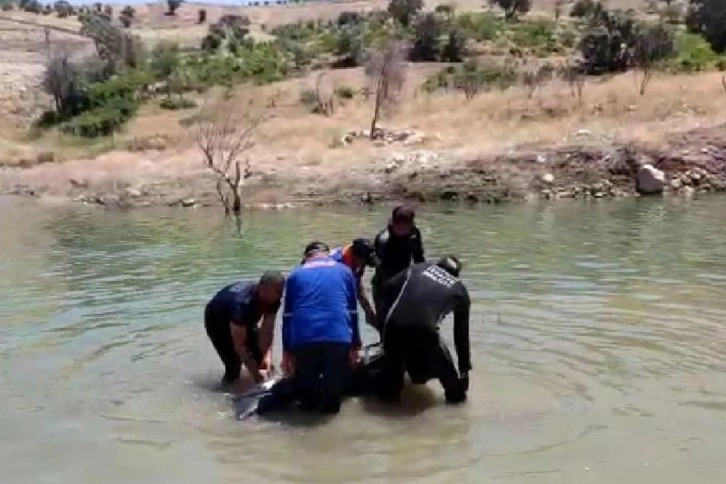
(101, 121)
(6, 5)
(345, 92)
(472, 77)
(693, 54)
(177, 103)
(583, 8)
(537, 34)
(480, 26)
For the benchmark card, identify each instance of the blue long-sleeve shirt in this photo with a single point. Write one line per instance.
(320, 305)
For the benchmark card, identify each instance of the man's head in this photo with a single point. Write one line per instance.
(402, 220)
(315, 249)
(270, 287)
(450, 264)
(364, 253)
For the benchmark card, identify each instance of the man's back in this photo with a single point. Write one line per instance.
(422, 296)
(236, 302)
(320, 304)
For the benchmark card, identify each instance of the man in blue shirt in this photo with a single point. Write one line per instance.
(320, 335)
(231, 319)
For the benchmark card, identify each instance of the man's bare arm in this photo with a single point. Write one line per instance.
(239, 335)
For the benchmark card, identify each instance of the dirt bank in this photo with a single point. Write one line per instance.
(693, 161)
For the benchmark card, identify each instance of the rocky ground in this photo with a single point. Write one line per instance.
(692, 162)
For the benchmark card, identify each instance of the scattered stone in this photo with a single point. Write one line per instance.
(471, 198)
(188, 202)
(78, 183)
(133, 192)
(649, 180)
(582, 133)
(541, 159)
(676, 184)
(46, 157)
(548, 178)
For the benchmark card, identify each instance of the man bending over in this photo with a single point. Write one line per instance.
(415, 302)
(240, 322)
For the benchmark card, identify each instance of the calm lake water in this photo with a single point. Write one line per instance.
(598, 341)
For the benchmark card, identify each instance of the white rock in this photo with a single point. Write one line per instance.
(650, 180)
(548, 178)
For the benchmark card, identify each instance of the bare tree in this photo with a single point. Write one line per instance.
(723, 82)
(652, 44)
(386, 71)
(224, 135)
(573, 74)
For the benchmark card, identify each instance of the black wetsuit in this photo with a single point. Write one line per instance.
(395, 255)
(235, 304)
(414, 304)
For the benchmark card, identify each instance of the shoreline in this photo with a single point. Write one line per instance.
(691, 162)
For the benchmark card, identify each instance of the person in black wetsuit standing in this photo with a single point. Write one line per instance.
(414, 303)
(396, 247)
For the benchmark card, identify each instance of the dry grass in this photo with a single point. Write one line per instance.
(492, 122)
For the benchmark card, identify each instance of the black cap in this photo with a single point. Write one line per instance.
(314, 247)
(364, 249)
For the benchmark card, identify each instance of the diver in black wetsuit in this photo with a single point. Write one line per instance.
(414, 303)
(396, 247)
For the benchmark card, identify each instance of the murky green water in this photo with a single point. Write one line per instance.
(599, 343)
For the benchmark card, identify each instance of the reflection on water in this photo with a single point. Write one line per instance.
(597, 333)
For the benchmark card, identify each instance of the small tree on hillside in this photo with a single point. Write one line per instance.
(652, 44)
(164, 62)
(426, 33)
(404, 10)
(173, 6)
(63, 81)
(224, 136)
(708, 17)
(201, 16)
(386, 71)
(512, 8)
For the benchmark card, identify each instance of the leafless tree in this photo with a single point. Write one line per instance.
(224, 135)
(723, 82)
(386, 71)
(534, 79)
(573, 74)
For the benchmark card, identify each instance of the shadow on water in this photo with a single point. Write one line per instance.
(415, 400)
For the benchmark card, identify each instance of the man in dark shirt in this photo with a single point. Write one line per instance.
(414, 303)
(231, 319)
(396, 247)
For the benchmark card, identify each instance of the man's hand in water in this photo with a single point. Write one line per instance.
(353, 357)
(287, 364)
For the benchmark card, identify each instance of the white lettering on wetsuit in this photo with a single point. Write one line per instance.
(440, 276)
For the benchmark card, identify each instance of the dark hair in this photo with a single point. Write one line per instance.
(364, 249)
(450, 264)
(402, 214)
(314, 247)
(272, 277)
